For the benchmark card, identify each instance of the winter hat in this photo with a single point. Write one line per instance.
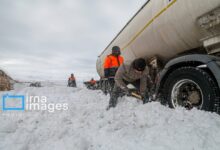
(139, 64)
(116, 50)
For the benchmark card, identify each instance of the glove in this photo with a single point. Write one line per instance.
(126, 91)
(145, 98)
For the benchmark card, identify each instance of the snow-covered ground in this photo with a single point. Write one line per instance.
(86, 125)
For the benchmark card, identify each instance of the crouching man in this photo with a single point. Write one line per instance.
(135, 73)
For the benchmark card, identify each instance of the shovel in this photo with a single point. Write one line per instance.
(136, 95)
(132, 88)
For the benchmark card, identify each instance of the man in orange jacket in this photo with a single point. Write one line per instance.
(111, 65)
(92, 81)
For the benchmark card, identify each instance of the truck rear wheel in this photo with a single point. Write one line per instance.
(190, 87)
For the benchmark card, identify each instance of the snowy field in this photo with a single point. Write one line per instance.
(86, 125)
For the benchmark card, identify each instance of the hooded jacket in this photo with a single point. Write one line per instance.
(128, 73)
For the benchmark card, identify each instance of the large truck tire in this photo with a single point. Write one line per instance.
(191, 87)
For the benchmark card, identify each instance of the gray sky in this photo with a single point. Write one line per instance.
(49, 39)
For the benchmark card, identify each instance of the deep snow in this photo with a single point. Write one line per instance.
(87, 125)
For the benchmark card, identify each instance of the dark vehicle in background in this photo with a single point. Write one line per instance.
(35, 84)
(92, 86)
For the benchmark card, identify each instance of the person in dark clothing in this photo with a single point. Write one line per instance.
(72, 81)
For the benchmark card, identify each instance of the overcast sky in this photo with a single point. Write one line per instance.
(49, 39)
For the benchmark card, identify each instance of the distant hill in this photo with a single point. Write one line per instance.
(6, 82)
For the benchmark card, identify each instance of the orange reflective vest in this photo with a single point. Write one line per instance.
(111, 65)
(92, 82)
(72, 78)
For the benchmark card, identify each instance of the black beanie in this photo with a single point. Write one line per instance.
(116, 50)
(139, 64)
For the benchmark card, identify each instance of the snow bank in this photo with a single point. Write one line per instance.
(87, 125)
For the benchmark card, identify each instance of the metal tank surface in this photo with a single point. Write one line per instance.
(162, 28)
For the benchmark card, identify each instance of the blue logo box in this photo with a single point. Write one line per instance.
(18, 97)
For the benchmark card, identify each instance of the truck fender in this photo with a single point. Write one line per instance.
(207, 61)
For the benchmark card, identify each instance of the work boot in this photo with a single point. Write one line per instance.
(145, 98)
(145, 101)
(105, 92)
(112, 102)
(108, 107)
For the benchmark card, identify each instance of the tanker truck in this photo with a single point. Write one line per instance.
(180, 40)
